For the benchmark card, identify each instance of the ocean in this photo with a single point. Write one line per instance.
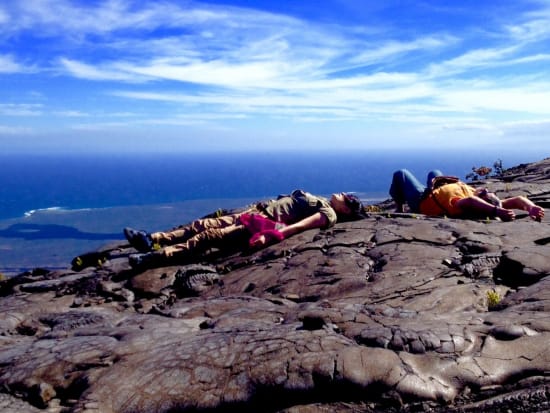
(54, 207)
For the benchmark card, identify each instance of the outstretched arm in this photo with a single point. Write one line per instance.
(520, 202)
(316, 220)
(477, 206)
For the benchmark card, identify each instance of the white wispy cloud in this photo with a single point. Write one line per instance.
(11, 131)
(395, 49)
(471, 60)
(20, 109)
(71, 114)
(538, 129)
(504, 99)
(237, 63)
(532, 26)
(4, 18)
(71, 19)
(8, 64)
(97, 72)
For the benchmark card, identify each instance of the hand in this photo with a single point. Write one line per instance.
(257, 241)
(261, 239)
(536, 213)
(506, 214)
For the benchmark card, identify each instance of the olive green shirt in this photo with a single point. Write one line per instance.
(292, 208)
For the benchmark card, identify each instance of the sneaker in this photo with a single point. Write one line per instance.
(145, 261)
(140, 240)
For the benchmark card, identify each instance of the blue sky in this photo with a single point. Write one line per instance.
(178, 75)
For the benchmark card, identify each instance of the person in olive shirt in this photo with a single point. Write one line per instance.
(261, 225)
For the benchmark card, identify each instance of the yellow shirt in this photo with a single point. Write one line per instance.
(446, 197)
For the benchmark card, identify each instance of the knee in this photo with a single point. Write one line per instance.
(397, 183)
(208, 234)
(401, 173)
(435, 172)
(400, 176)
(198, 225)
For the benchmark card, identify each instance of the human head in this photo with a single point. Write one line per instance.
(347, 204)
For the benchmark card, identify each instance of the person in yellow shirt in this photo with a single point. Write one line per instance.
(455, 199)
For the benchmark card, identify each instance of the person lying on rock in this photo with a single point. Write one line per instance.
(445, 196)
(264, 224)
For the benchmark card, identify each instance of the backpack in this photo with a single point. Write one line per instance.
(443, 180)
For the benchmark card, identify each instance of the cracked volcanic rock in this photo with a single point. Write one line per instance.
(395, 312)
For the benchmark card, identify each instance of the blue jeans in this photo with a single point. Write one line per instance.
(406, 189)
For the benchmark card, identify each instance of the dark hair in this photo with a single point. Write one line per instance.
(355, 205)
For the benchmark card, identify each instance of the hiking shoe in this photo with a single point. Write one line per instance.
(140, 240)
(145, 261)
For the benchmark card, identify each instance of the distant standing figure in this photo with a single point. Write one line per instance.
(260, 225)
(455, 199)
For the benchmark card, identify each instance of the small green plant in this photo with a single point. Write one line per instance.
(2, 277)
(373, 208)
(493, 299)
(497, 167)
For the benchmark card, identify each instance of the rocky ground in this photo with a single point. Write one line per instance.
(395, 312)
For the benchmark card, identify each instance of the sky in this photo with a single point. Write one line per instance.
(182, 75)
